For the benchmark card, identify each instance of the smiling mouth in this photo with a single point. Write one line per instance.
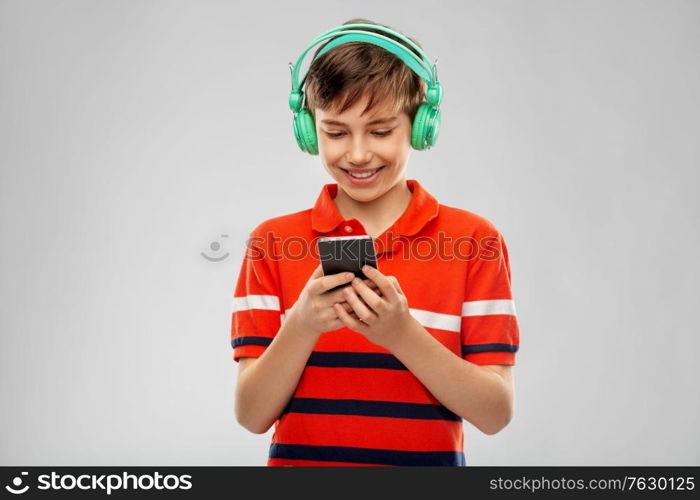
(364, 173)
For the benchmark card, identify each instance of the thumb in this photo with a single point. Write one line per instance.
(318, 272)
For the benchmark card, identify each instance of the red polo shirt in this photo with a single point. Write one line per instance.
(356, 403)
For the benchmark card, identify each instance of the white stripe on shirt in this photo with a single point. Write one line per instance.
(484, 307)
(271, 302)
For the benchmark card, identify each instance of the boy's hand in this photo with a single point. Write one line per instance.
(314, 309)
(342, 301)
(379, 318)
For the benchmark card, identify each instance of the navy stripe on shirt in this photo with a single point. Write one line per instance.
(366, 455)
(468, 349)
(251, 340)
(367, 359)
(355, 360)
(368, 408)
(340, 359)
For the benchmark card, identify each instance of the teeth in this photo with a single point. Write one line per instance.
(362, 176)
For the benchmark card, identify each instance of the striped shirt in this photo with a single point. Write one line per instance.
(356, 403)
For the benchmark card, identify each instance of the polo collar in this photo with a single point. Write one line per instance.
(422, 208)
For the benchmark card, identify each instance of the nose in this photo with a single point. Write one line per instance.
(358, 152)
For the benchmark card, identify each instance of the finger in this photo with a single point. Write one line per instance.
(337, 295)
(349, 321)
(347, 309)
(372, 285)
(345, 306)
(325, 283)
(382, 282)
(341, 296)
(333, 296)
(368, 295)
(318, 272)
(362, 310)
(396, 284)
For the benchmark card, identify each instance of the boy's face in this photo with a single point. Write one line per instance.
(357, 144)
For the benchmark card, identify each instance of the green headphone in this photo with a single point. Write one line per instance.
(426, 123)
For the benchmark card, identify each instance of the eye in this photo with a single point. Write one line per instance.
(334, 136)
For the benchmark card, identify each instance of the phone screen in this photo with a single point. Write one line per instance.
(346, 253)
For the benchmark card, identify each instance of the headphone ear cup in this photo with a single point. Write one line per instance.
(432, 127)
(305, 132)
(418, 127)
(426, 127)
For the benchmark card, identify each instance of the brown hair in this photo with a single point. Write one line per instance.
(344, 74)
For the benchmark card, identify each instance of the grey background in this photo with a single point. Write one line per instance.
(134, 134)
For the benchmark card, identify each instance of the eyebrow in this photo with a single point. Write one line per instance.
(378, 120)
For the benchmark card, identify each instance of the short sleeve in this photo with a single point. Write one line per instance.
(490, 333)
(256, 308)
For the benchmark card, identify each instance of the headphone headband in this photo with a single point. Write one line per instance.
(419, 65)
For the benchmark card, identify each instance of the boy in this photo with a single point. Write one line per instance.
(381, 371)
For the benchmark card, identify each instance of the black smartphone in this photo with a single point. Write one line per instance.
(346, 253)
